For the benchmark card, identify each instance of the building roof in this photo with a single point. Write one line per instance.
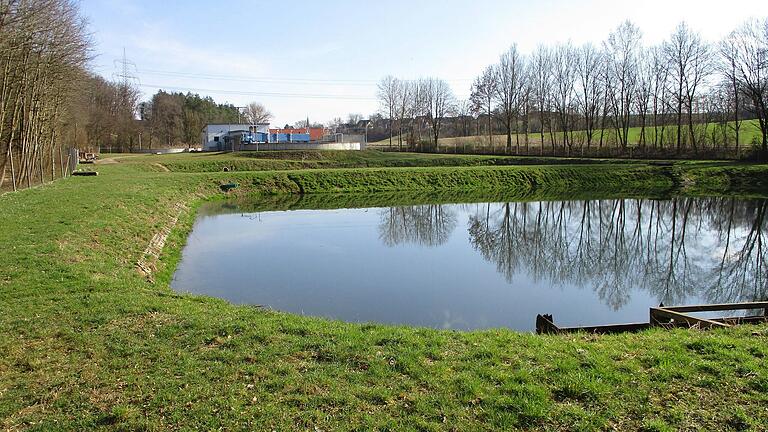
(315, 134)
(234, 124)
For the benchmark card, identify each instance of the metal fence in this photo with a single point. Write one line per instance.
(58, 166)
(73, 157)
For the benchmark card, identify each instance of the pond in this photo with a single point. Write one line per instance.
(484, 264)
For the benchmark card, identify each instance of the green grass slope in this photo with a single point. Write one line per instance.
(89, 343)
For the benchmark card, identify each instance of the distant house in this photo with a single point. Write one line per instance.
(244, 137)
(315, 134)
(354, 128)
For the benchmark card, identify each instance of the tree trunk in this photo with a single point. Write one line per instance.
(509, 133)
(541, 130)
(690, 128)
(13, 171)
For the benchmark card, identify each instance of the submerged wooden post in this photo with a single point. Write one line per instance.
(666, 316)
(545, 325)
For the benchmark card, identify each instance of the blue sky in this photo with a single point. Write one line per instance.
(322, 59)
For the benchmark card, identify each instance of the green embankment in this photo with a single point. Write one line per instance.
(268, 161)
(88, 342)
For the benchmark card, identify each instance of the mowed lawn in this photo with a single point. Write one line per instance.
(90, 342)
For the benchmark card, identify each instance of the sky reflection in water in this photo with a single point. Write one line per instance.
(470, 266)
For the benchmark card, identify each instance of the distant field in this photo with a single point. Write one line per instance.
(749, 133)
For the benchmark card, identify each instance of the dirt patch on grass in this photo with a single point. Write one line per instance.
(147, 264)
(161, 167)
(143, 322)
(289, 155)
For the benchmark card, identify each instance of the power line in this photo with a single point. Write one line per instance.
(267, 94)
(259, 80)
(314, 81)
(252, 78)
(264, 94)
(125, 72)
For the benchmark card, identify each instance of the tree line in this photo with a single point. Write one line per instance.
(50, 102)
(684, 96)
(44, 47)
(167, 119)
(417, 108)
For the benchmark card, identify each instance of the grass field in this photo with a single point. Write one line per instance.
(90, 342)
(749, 133)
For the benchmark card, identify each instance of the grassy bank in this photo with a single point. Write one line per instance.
(89, 342)
(293, 160)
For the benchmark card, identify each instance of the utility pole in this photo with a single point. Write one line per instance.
(126, 73)
(126, 77)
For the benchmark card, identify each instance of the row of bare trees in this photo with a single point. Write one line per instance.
(416, 107)
(44, 47)
(683, 96)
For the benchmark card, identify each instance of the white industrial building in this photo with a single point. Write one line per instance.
(215, 137)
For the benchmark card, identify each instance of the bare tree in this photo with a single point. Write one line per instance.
(622, 49)
(728, 49)
(483, 93)
(402, 104)
(643, 92)
(417, 110)
(689, 57)
(564, 65)
(509, 73)
(335, 123)
(463, 117)
(354, 118)
(526, 92)
(256, 113)
(388, 90)
(541, 79)
(590, 87)
(44, 47)
(750, 62)
(439, 102)
(659, 94)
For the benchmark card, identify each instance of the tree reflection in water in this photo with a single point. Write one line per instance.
(712, 248)
(425, 225)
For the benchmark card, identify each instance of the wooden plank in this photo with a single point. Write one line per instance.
(85, 173)
(659, 315)
(757, 319)
(718, 307)
(608, 328)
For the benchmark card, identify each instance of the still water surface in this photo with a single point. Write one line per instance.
(482, 265)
